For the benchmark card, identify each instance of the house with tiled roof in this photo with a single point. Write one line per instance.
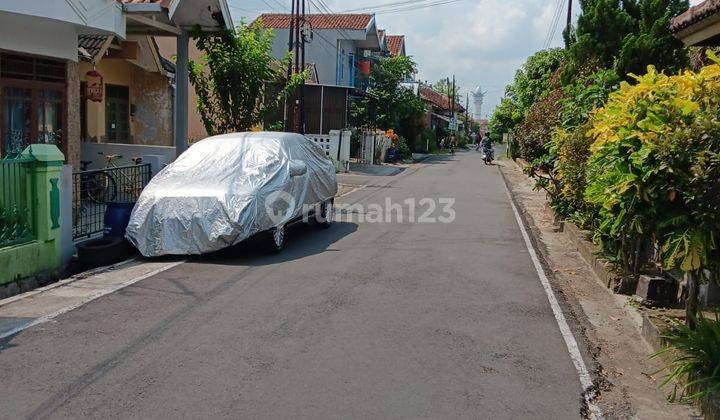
(78, 78)
(396, 45)
(699, 25)
(438, 108)
(112, 40)
(341, 45)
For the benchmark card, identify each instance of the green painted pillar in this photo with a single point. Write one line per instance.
(46, 190)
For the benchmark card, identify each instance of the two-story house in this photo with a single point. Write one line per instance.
(342, 49)
(341, 44)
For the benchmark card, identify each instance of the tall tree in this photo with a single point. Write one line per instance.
(627, 35)
(601, 30)
(532, 83)
(386, 101)
(232, 77)
(652, 42)
(445, 87)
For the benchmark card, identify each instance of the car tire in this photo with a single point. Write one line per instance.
(275, 239)
(324, 218)
(102, 251)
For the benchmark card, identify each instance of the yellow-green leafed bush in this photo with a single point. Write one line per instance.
(654, 172)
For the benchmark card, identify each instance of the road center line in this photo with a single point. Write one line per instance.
(572, 345)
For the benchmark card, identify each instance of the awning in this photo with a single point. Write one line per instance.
(442, 117)
(163, 18)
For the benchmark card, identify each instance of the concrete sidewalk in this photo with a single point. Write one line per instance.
(44, 304)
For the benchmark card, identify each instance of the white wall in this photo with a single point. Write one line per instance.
(323, 52)
(37, 36)
(336, 145)
(89, 16)
(156, 156)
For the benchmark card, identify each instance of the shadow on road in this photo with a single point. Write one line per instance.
(437, 159)
(302, 240)
(375, 170)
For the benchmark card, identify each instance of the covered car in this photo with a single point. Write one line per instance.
(226, 188)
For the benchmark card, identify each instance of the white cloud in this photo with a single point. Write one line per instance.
(483, 42)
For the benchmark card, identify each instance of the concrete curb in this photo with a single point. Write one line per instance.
(64, 282)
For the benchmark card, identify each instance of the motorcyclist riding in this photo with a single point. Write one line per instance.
(488, 153)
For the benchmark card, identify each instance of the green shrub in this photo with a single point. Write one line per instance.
(695, 357)
(462, 139)
(538, 125)
(654, 173)
(403, 148)
(429, 139)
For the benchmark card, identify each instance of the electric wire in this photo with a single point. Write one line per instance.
(554, 25)
(548, 33)
(405, 6)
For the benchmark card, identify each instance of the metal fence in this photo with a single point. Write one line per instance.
(17, 201)
(94, 189)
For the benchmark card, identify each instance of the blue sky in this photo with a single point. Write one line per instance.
(483, 42)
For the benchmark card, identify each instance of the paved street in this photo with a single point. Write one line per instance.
(364, 320)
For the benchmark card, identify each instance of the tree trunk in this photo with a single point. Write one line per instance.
(691, 301)
(636, 257)
(624, 254)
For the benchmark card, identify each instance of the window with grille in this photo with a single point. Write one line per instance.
(32, 102)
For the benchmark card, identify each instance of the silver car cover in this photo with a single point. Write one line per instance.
(226, 188)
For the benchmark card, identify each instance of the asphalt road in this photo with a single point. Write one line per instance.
(363, 320)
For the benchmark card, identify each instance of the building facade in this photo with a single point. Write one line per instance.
(342, 44)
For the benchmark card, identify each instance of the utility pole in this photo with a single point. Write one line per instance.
(286, 116)
(302, 69)
(452, 92)
(296, 113)
(569, 16)
(447, 83)
(467, 113)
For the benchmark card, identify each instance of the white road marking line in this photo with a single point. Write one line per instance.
(351, 191)
(55, 314)
(572, 345)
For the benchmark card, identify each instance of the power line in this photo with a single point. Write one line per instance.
(554, 24)
(552, 21)
(282, 6)
(418, 7)
(270, 6)
(406, 3)
(325, 9)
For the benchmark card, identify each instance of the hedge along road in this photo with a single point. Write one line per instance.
(364, 319)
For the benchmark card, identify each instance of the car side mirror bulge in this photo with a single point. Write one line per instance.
(297, 168)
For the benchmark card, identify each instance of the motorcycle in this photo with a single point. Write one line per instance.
(488, 155)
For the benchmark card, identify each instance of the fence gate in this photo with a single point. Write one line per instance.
(17, 201)
(93, 190)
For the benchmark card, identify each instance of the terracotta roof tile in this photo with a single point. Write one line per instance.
(438, 99)
(320, 21)
(694, 15)
(395, 44)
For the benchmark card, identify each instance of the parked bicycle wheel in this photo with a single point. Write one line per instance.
(100, 187)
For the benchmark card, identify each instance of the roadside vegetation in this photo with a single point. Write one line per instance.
(232, 79)
(387, 104)
(625, 139)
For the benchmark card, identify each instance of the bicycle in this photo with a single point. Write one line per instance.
(101, 186)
